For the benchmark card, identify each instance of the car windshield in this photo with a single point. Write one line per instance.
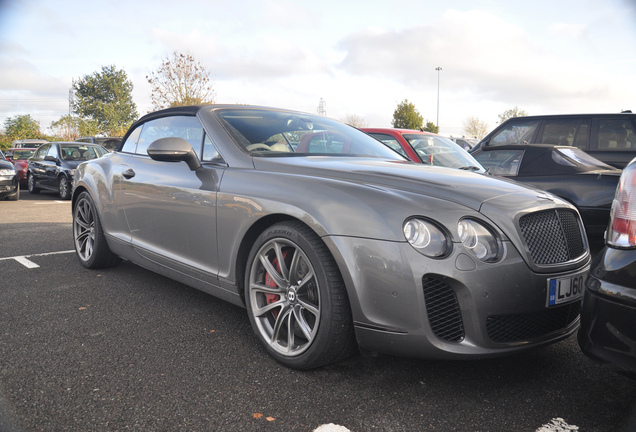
(79, 152)
(266, 132)
(19, 154)
(440, 151)
(578, 155)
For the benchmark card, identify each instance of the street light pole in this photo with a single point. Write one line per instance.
(438, 69)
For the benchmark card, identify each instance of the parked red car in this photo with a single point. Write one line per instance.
(18, 157)
(425, 147)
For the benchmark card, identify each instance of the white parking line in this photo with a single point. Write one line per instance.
(51, 202)
(23, 259)
(557, 425)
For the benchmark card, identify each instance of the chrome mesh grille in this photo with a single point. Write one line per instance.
(552, 236)
(443, 311)
(524, 327)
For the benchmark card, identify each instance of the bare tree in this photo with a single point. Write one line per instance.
(475, 128)
(179, 81)
(356, 121)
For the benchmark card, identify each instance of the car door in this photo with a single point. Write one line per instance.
(51, 166)
(171, 210)
(37, 165)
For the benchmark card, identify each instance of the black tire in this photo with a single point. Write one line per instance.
(64, 187)
(31, 185)
(88, 237)
(306, 295)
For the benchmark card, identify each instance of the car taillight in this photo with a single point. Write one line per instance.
(622, 226)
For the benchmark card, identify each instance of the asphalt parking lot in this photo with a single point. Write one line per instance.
(126, 349)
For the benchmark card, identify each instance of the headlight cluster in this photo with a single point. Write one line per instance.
(426, 237)
(479, 240)
(431, 240)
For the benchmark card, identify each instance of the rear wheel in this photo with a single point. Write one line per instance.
(296, 299)
(90, 244)
(31, 185)
(64, 187)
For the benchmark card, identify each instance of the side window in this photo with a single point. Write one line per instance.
(500, 162)
(210, 153)
(582, 140)
(559, 132)
(42, 152)
(131, 142)
(616, 134)
(53, 152)
(515, 132)
(390, 141)
(187, 127)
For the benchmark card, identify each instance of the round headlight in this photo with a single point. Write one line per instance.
(426, 237)
(479, 240)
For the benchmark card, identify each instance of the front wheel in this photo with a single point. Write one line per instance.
(64, 188)
(296, 299)
(31, 185)
(90, 244)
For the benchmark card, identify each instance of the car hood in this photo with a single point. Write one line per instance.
(6, 165)
(466, 188)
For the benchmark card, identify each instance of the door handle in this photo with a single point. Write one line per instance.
(129, 173)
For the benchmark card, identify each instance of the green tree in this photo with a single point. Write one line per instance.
(180, 81)
(510, 113)
(431, 127)
(406, 116)
(22, 127)
(106, 98)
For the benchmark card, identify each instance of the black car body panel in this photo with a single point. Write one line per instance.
(608, 317)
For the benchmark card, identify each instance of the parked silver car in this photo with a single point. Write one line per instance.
(330, 239)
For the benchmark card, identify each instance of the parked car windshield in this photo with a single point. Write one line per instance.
(266, 132)
(19, 154)
(79, 152)
(440, 151)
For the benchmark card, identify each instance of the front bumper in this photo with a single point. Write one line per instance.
(406, 304)
(8, 185)
(608, 333)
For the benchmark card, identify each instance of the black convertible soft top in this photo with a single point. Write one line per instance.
(547, 159)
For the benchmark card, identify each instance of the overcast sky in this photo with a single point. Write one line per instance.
(360, 57)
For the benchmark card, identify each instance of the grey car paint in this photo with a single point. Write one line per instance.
(198, 226)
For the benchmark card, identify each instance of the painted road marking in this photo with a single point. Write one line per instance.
(51, 202)
(25, 261)
(557, 425)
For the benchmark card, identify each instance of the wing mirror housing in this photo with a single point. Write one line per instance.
(174, 149)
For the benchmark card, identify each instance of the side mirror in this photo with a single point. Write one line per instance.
(51, 159)
(174, 149)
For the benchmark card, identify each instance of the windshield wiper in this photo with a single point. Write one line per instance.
(470, 168)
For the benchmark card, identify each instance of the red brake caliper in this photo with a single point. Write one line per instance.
(269, 281)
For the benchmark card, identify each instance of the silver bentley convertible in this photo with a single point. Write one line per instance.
(332, 241)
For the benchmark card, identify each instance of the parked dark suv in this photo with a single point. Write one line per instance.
(610, 138)
(608, 316)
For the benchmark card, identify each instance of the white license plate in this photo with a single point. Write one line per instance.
(566, 289)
